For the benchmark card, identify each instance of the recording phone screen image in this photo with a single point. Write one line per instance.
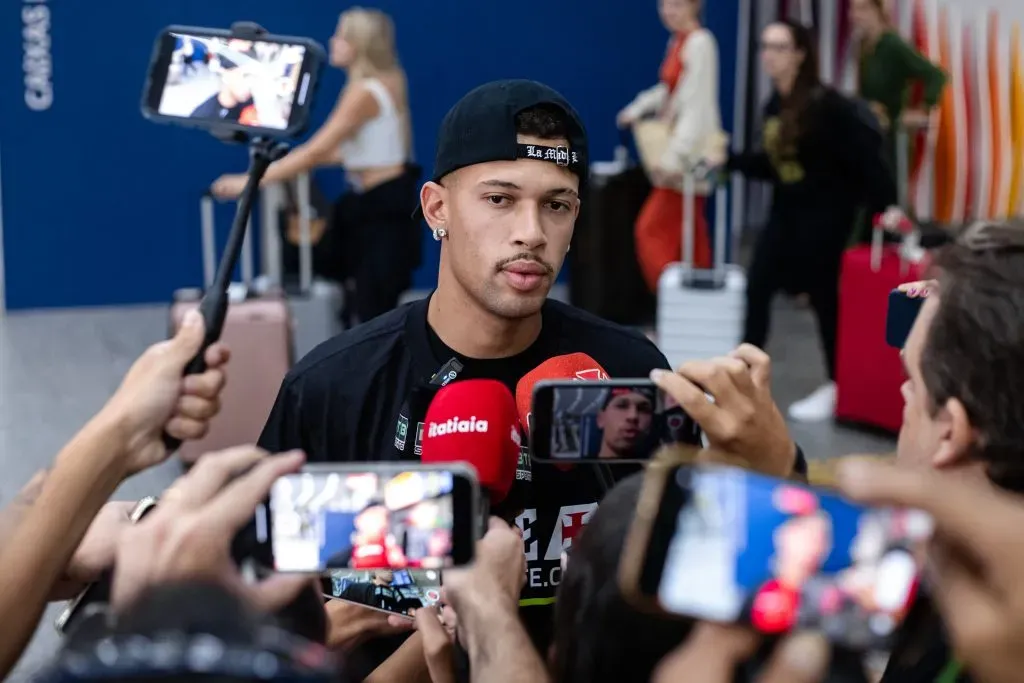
(252, 83)
(362, 521)
(780, 557)
(611, 422)
(398, 591)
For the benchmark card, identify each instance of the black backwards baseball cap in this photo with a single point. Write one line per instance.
(481, 127)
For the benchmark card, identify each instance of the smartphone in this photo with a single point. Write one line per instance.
(900, 317)
(605, 421)
(210, 78)
(724, 544)
(399, 592)
(95, 597)
(369, 517)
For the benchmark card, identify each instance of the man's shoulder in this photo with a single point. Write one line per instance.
(360, 348)
(621, 350)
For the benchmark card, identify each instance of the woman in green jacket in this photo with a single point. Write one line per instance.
(888, 66)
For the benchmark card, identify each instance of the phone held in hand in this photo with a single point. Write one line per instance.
(369, 517)
(900, 317)
(725, 544)
(259, 84)
(605, 421)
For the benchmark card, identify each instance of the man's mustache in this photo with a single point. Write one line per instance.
(524, 257)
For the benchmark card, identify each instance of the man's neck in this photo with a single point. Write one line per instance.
(226, 100)
(466, 328)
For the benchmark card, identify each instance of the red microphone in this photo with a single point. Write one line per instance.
(475, 421)
(577, 366)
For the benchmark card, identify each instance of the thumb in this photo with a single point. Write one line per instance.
(188, 340)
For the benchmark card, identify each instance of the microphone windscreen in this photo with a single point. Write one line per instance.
(575, 366)
(475, 421)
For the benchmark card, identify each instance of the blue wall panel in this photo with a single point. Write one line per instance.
(101, 207)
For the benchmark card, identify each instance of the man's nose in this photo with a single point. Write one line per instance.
(528, 231)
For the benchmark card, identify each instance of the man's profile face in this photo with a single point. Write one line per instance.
(372, 521)
(625, 420)
(383, 577)
(509, 224)
(920, 433)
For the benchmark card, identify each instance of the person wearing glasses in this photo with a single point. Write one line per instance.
(826, 163)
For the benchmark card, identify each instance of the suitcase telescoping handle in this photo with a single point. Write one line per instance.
(690, 179)
(905, 227)
(214, 305)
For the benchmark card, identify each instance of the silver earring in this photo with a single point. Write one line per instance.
(440, 233)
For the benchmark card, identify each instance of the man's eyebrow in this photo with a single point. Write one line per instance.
(508, 185)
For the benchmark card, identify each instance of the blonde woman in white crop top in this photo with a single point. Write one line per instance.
(369, 131)
(372, 243)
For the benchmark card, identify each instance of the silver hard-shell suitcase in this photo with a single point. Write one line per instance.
(700, 312)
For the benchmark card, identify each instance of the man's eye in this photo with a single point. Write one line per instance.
(497, 199)
(559, 206)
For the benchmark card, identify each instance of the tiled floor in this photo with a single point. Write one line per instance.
(57, 368)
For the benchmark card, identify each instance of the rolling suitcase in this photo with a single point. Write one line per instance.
(700, 312)
(258, 330)
(315, 304)
(868, 371)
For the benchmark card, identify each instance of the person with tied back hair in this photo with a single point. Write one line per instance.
(825, 162)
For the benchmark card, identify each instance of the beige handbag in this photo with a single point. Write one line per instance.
(652, 137)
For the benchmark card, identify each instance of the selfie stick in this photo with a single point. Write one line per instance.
(214, 305)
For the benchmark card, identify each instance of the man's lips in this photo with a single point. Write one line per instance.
(526, 268)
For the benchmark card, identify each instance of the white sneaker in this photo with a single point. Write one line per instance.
(819, 406)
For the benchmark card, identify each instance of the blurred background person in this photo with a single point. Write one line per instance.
(369, 133)
(825, 163)
(889, 65)
(686, 99)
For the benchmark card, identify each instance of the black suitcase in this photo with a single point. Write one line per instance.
(604, 276)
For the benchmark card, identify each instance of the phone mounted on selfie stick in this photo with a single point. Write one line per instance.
(263, 151)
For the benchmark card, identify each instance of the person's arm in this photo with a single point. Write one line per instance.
(499, 649)
(355, 107)
(47, 525)
(916, 66)
(405, 664)
(84, 475)
(755, 164)
(696, 101)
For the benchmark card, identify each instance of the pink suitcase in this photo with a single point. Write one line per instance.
(258, 331)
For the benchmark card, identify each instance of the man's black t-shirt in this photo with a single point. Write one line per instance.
(341, 403)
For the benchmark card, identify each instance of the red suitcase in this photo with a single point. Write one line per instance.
(868, 371)
(258, 331)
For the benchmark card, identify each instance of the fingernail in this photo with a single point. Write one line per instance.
(192, 318)
(807, 653)
(912, 291)
(657, 374)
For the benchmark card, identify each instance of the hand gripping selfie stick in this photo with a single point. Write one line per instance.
(214, 305)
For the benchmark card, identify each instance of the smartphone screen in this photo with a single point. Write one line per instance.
(369, 520)
(211, 79)
(900, 317)
(733, 546)
(605, 421)
(399, 591)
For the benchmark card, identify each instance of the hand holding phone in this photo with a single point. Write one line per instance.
(727, 545)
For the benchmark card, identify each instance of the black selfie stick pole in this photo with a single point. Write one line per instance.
(214, 305)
